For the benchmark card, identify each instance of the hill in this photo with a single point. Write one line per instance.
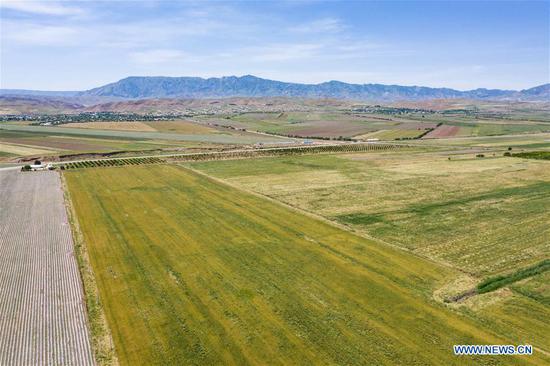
(251, 86)
(36, 105)
(145, 87)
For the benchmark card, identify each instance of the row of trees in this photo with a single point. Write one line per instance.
(288, 151)
(111, 162)
(285, 151)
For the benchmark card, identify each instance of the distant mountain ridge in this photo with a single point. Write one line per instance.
(147, 87)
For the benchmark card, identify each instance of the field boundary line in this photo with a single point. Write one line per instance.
(322, 218)
(102, 342)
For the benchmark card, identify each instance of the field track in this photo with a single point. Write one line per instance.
(42, 313)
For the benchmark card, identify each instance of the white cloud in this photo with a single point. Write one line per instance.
(41, 35)
(41, 7)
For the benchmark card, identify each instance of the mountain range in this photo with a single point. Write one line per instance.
(147, 87)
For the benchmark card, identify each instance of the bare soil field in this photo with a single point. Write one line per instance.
(42, 312)
(442, 131)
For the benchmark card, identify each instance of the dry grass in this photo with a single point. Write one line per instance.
(183, 127)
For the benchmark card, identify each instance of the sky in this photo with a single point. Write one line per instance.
(78, 45)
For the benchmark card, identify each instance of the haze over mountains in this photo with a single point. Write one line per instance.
(145, 87)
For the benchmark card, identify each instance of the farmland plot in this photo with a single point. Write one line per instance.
(485, 217)
(454, 211)
(442, 131)
(42, 314)
(192, 271)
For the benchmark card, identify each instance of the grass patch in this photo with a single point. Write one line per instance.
(542, 155)
(102, 343)
(494, 283)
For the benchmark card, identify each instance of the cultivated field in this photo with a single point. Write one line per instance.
(48, 142)
(42, 312)
(442, 131)
(226, 250)
(183, 127)
(332, 124)
(118, 126)
(391, 134)
(192, 271)
(482, 216)
(350, 122)
(222, 138)
(423, 202)
(517, 142)
(16, 149)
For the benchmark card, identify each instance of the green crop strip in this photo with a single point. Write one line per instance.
(494, 283)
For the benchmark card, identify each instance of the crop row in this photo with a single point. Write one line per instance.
(286, 151)
(111, 162)
(43, 317)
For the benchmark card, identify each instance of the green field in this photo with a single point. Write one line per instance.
(193, 271)
(5, 154)
(485, 217)
(392, 134)
(333, 122)
(420, 201)
(542, 155)
(328, 124)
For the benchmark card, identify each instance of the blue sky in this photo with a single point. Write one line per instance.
(55, 45)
